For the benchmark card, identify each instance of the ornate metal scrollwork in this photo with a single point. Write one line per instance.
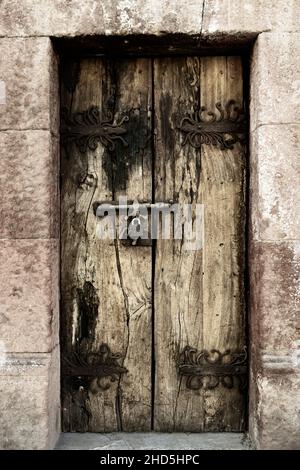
(87, 129)
(207, 369)
(211, 128)
(94, 367)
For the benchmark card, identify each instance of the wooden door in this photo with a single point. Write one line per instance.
(153, 334)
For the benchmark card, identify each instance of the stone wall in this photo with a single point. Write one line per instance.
(29, 202)
(275, 235)
(29, 244)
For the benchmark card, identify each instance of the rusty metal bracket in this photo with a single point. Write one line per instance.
(221, 129)
(87, 129)
(208, 369)
(94, 367)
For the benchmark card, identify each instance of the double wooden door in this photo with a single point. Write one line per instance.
(153, 334)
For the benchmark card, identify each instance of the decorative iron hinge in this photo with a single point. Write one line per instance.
(87, 129)
(94, 367)
(222, 129)
(207, 369)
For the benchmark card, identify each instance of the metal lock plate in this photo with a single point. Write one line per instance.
(130, 222)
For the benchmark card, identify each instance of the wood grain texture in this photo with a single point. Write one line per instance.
(223, 196)
(105, 286)
(199, 295)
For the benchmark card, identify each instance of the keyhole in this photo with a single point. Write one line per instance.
(134, 229)
(137, 224)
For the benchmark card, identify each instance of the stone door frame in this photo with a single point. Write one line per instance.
(30, 42)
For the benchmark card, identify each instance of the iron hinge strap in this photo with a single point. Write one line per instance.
(208, 369)
(94, 366)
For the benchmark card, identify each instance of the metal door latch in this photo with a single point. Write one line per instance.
(132, 220)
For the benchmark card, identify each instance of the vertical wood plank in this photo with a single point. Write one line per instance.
(178, 273)
(199, 296)
(134, 263)
(106, 287)
(223, 196)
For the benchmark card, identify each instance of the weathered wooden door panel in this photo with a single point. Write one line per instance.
(178, 273)
(106, 286)
(199, 295)
(145, 151)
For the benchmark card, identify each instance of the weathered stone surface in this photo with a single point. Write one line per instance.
(29, 272)
(278, 413)
(28, 69)
(236, 17)
(275, 79)
(152, 441)
(29, 200)
(253, 424)
(54, 404)
(71, 18)
(275, 176)
(29, 416)
(54, 97)
(275, 265)
(152, 16)
(53, 17)
(274, 344)
(275, 298)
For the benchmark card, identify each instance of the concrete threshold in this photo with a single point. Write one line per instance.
(152, 441)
